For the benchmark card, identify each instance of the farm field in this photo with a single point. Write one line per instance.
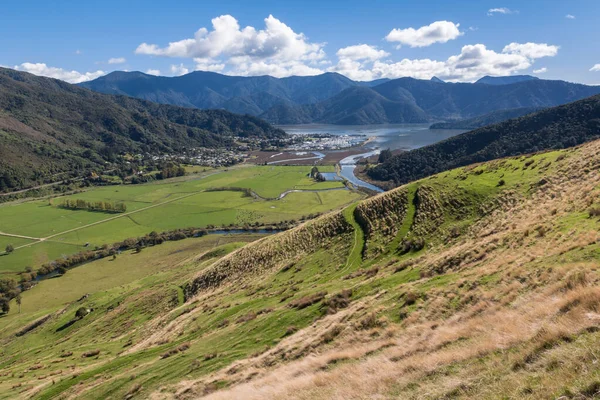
(50, 232)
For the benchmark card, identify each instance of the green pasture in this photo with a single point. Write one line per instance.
(160, 206)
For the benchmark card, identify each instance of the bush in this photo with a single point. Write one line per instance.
(92, 353)
(307, 301)
(337, 302)
(81, 312)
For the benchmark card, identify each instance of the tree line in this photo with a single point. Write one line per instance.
(103, 206)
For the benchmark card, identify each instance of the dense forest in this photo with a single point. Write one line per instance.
(51, 130)
(553, 128)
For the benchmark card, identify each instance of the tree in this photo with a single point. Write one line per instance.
(10, 248)
(4, 304)
(384, 155)
(62, 270)
(18, 299)
(81, 312)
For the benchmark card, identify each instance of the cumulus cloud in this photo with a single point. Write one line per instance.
(361, 52)
(473, 62)
(155, 72)
(595, 68)
(531, 50)
(206, 64)
(569, 16)
(501, 10)
(276, 48)
(117, 60)
(58, 73)
(542, 70)
(179, 70)
(437, 32)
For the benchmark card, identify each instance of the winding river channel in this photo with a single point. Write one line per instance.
(392, 136)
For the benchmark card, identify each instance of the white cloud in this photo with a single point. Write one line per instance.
(531, 50)
(595, 68)
(569, 16)
(542, 70)
(437, 32)
(58, 73)
(179, 70)
(276, 49)
(78, 52)
(361, 52)
(473, 62)
(117, 60)
(501, 10)
(206, 64)
(155, 72)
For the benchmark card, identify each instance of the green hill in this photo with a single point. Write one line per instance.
(51, 130)
(479, 282)
(553, 128)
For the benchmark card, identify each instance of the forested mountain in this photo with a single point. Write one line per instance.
(201, 89)
(553, 128)
(48, 127)
(488, 119)
(505, 80)
(334, 99)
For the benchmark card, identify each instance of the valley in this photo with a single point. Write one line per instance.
(397, 294)
(40, 231)
(296, 201)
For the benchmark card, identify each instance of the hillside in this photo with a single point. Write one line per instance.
(49, 128)
(553, 128)
(488, 119)
(449, 287)
(334, 99)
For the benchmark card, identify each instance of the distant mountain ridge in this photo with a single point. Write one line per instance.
(335, 99)
(506, 80)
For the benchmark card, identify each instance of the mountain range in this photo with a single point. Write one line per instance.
(49, 127)
(332, 98)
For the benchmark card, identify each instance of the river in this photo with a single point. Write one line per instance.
(392, 136)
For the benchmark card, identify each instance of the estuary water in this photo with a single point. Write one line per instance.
(392, 136)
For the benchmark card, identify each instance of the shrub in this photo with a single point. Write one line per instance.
(410, 298)
(594, 212)
(81, 312)
(370, 321)
(501, 182)
(92, 353)
(338, 301)
(307, 301)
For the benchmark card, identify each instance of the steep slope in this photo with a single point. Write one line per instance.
(488, 119)
(553, 128)
(249, 95)
(49, 127)
(449, 287)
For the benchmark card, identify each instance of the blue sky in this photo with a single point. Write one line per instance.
(458, 41)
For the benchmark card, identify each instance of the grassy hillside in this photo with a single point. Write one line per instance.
(479, 282)
(50, 129)
(553, 128)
